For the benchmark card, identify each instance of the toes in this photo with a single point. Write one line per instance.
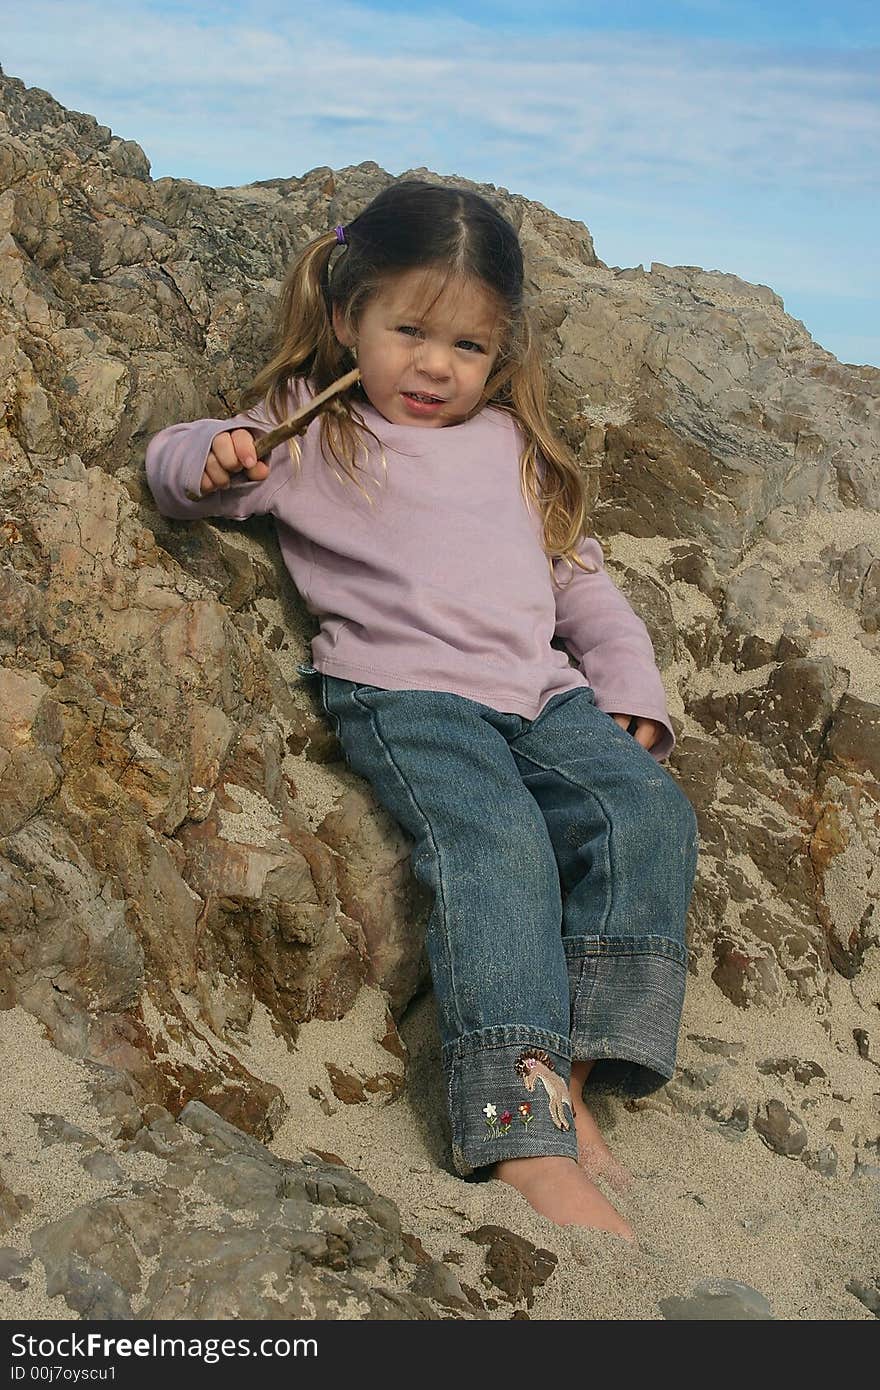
(620, 1178)
(598, 1163)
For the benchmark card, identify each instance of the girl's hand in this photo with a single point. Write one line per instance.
(647, 731)
(232, 452)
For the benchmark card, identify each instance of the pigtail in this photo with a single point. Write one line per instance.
(550, 473)
(307, 347)
(305, 344)
(550, 478)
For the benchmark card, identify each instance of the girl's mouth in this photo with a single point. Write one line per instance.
(421, 402)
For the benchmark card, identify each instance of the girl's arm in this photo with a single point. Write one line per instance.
(175, 464)
(611, 644)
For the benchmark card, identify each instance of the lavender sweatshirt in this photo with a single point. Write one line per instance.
(441, 584)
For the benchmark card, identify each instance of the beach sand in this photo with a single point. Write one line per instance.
(708, 1203)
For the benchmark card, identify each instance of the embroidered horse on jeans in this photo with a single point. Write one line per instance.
(536, 1065)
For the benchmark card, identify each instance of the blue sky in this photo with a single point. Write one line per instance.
(737, 136)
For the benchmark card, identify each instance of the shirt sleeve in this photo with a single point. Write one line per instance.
(175, 462)
(610, 643)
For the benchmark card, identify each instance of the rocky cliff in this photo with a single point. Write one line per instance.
(209, 936)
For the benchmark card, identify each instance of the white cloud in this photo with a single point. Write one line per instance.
(266, 81)
(762, 161)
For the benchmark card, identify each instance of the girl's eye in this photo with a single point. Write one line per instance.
(411, 330)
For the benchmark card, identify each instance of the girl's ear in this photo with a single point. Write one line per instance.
(344, 334)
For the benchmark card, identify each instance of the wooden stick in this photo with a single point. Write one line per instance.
(299, 422)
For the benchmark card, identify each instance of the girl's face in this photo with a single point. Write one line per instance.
(406, 353)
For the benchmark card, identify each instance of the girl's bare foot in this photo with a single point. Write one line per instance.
(594, 1155)
(559, 1188)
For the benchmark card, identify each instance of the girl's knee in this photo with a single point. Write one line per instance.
(521, 853)
(661, 805)
(515, 852)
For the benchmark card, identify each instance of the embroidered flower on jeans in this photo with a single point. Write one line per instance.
(491, 1113)
(525, 1113)
(505, 1122)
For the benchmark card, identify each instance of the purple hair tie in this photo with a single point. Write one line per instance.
(340, 236)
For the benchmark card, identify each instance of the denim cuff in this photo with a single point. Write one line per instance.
(508, 1096)
(627, 997)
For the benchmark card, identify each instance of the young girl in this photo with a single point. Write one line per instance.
(435, 523)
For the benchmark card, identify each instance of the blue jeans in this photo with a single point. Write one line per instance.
(561, 858)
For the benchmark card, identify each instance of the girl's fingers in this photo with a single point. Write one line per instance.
(646, 732)
(258, 471)
(232, 452)
(215, 473)
(244, 452)
(223, 451)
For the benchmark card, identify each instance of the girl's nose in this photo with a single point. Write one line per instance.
(433, 359)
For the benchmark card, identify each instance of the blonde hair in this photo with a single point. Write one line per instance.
(413, 224)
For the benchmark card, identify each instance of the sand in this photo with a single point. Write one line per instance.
(705, 1204)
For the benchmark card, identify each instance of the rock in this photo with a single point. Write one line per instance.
(732, 1114)
(353, 1090)
(802, 1072)
(513, 1264)
(441, 1284)
(871, 1171)
(718, 1300)
(97, 1236)
(377, 889)
(54, 1129)
(14, 1268)
(780, 1130)
(253, 1236)
(30, 737)
(220, 1134)
(747, 973)
(698, 1078)
(717, 1046)
(824, 1160)
(869, 1294)
(12, 1206)
(103, 1167)
(862, 1041)
(88, 1291)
